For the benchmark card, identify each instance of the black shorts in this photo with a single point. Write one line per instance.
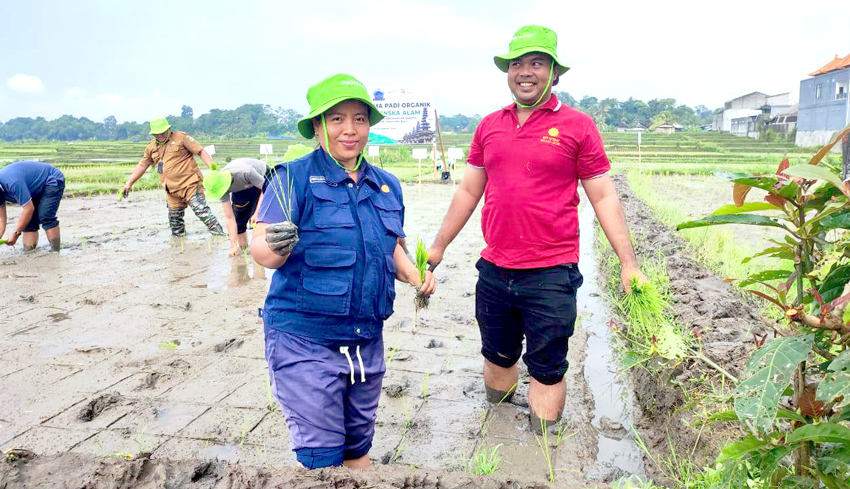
(538, 304)
(244, 204)
(46, 206)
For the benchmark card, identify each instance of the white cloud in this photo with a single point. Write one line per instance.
(79, 102)
(75, 93)
(110, 98)
(25, 83)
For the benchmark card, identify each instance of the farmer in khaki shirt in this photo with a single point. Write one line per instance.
(173, 153)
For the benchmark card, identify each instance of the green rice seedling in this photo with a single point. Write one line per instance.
(283, 192)
(543, 443)
(405, 428)
(2, 241)
(243, 434)
(271, 403)
(393, 351)
(168, 345)
(420, 300)
(484, 461)
(562, 433)
(509, 393)
(425, 385)
(645, 308)
(125, 456)
(263, 455)
(408, 420)
(140, 439)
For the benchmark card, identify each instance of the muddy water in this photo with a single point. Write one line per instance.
(611, 395)
(171, 326)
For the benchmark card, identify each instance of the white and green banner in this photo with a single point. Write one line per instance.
(409, 116)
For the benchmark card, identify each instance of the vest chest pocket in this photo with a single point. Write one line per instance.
(389, 210)
(326, 280)
(331, 208)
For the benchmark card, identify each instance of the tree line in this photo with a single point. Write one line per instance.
(248, 120)
(258, 120)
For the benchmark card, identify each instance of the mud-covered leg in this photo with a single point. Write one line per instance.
(199, 206)
(175, 219)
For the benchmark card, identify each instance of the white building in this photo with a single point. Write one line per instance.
(745, 106)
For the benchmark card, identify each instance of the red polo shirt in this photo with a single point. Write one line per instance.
(530, 215)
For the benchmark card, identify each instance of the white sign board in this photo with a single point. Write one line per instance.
(265, 149)
(455, 153)
(374, 150)
(210, 149)
(639, 139)
(420, 153)
(408, 116)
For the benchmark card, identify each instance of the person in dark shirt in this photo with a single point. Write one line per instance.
(37, 187)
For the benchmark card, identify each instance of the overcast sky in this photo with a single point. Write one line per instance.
(142, 60)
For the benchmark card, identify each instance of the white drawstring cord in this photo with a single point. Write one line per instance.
(362, 370)
(344, 351)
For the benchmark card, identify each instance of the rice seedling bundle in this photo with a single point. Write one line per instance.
(421, 301)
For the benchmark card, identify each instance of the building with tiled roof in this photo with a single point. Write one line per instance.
(824, 105)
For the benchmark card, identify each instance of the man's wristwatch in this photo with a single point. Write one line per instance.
(17, 233)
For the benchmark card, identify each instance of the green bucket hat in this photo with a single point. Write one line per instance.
(331, 91)
(217, 183)
(531, 39)
(296, 151)
(159, 126)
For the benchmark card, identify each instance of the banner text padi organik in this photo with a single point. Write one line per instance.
(409, 116)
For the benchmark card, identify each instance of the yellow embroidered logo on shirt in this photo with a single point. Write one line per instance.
(552, 137)
(385, 188)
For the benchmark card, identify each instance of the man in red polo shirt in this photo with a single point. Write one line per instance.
(527, 159)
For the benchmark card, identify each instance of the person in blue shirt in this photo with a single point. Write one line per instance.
(37, 187)
(331, 226)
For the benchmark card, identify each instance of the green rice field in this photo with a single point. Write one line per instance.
(97, 167)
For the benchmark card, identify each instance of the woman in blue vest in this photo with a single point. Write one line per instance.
(332, 225)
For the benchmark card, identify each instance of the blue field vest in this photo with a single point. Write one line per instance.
(338, 285)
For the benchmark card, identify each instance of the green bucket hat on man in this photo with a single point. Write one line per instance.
(217, 183)
(331, 91)
(532, 39)
(159, 126)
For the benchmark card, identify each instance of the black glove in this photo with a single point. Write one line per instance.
(282, 237)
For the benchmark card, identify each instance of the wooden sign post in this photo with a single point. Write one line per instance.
(420, 154)
(266, 149)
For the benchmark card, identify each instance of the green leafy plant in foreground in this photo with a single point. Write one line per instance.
(793, 400)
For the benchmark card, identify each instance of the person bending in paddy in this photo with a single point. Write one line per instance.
(331, 225)
(527, 160)
(240, 185)
(37, 187)
(173, 153)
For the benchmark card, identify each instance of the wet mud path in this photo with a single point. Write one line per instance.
(131, 342)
